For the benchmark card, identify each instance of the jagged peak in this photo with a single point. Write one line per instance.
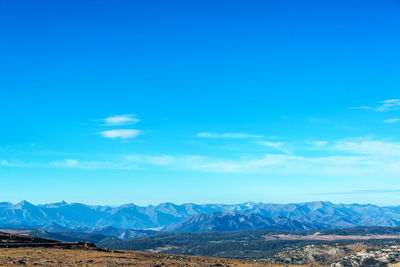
(24, 204)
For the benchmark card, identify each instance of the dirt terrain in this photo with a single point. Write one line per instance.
(36, 256)
(31, 251)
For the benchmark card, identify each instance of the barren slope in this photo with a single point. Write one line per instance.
(83, 257)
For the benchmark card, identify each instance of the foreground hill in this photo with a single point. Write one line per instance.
(12, 240)
(61, 236)
(32, 251)
(378, 247)
(83, 257)
(79, 217)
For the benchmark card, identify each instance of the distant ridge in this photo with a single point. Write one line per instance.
(54, 227)
(224, 221)
(168, 216)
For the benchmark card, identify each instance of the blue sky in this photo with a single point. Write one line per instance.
(109, 102)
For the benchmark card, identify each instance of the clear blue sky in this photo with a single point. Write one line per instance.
(108, 102)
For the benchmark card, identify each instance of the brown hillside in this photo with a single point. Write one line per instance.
(31, 251)
(84, 257)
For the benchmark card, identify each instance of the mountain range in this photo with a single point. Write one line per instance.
(225, 221)
(120, 221)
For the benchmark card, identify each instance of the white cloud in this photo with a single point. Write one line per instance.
(162, 160)
(369, 147)
(120, 120)
(352, 157)
(281, 146)
(73, 163)
(78, 164)
(228, 135)
(386, 105)
(361, 157)
(390, 104)
(120, 133)
(317, 143)
(14, 163)
(392, 120)
(5, 163)
(269, 164)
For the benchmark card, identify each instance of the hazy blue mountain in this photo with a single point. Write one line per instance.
(121, 233)
(53, 227)
(223, 221)
(22, 214)
(62, 236)
(82, 218)
(5, 204)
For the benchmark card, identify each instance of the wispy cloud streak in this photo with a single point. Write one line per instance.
(364, 191)
(78, 164)
(392, 120)
(357, 157)
(280, 146)
(386, 105)
(228, 135)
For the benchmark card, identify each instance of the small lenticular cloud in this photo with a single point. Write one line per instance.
(120, 134)
(121, 120)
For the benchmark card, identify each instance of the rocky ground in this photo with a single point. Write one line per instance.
(371, 257)
(358, 254)
(315, 254)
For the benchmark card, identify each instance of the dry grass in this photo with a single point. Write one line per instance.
(86, 257)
